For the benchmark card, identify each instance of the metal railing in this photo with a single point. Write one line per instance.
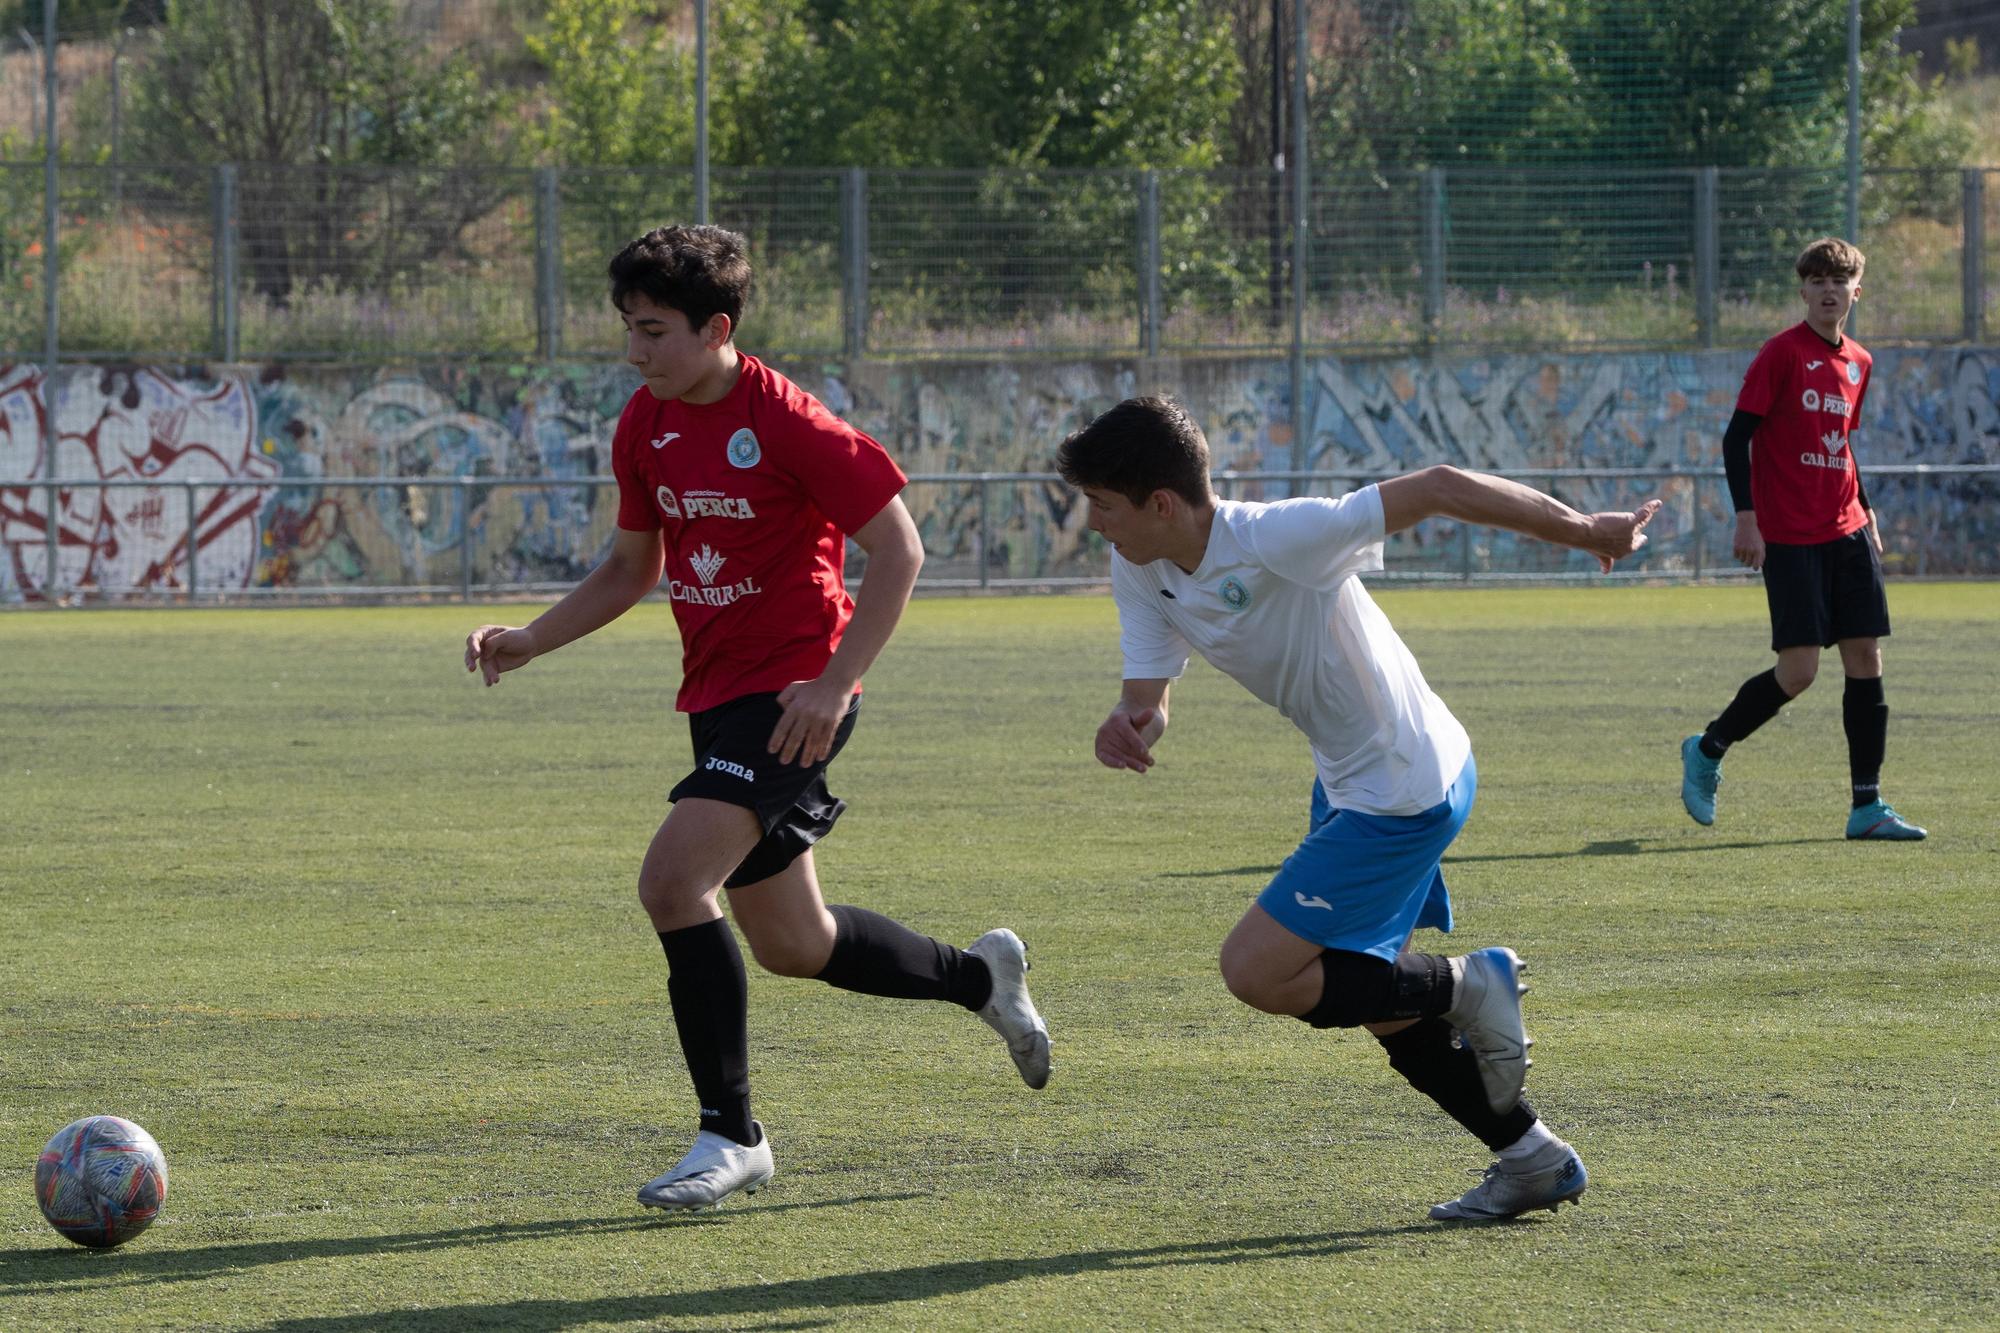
(470, 537)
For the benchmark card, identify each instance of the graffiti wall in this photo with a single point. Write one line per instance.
(322, 478)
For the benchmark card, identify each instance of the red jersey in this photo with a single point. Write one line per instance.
(754, 496)
(1803, 482)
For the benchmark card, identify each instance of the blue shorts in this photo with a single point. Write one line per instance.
(1362, 883)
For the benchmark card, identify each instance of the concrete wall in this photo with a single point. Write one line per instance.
(279, 439)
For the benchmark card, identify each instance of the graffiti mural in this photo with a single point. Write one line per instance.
(131, 426)
(490, 477)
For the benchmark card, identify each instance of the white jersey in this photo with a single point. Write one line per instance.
(1276, 605)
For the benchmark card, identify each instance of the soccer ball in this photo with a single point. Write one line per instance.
(101, 1181)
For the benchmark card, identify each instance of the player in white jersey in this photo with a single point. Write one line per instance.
(1268, 594)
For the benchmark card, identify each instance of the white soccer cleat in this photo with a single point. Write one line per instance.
(1553, 1176)
(715, 1168)
(1008, 1010)
(1486, 1010)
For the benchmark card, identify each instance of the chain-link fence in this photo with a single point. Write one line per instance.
(248, 263)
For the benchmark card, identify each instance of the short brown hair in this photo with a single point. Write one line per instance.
(1830, 257)
(1138, 447)
(700, 271)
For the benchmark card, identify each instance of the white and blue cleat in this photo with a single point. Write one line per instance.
(713, 1169)
(1551, 1177)
(1486, 1011)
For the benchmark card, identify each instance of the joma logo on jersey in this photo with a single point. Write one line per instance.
(733, 770)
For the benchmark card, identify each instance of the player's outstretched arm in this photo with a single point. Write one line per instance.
(626, 575)
(813, 708)
(1126, 738)
(1495, 502)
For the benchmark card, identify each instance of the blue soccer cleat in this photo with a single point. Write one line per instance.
(1700, 776)
(1553, 1176)
(1877, 822)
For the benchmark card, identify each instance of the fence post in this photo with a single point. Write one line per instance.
(1973, 255)
(1707, 253)
(464, 539)
(49, 572)
(854, 268)
(1923, 519)
(193, 532)
(985, 527)
(1465, 552)
(226, 333)
(1149, 263)
(1433, 195)
(1700, 528)
(548, 265)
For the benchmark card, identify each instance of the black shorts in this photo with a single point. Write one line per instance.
(732, 765)
(1826, 592)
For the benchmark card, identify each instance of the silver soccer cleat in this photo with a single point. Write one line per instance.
(713, 1169)
(1552, 1176)
(1486, 1011)
(1008, 1010)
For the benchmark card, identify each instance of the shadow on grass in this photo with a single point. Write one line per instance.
(1616, 847)
(811, 1302)
(65, 1265)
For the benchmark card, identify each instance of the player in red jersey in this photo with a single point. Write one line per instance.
(1802, 517)
(742, 489)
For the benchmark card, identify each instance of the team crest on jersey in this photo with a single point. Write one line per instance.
(1234, 595)
(744, 451)
(1853, 373)
(667, 503)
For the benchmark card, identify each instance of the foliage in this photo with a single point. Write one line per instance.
(947, 83)
(280, 85)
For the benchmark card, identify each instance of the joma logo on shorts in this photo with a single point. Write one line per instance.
(733, 770)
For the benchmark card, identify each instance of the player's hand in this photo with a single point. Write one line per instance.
(1121, 740)
(813, 710)
(492, 649)
(1874, 532)
(1749, 543)
(1612, 537)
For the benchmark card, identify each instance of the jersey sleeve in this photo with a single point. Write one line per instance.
(1318, 541)
(1762, 381)
(1153, 648)
(636, 511)
(845, 473)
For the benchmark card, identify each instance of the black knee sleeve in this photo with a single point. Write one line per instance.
(1360, 988)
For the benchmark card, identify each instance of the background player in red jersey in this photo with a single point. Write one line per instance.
(742, 489)
(1802, 517)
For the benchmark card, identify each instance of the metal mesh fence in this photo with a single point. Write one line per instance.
(375, 264)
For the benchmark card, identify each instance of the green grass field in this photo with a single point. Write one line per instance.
(357, 940)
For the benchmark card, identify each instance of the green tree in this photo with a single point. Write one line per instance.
(303, 96)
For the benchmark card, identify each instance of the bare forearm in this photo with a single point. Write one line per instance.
(1496, 502)
(606, 593)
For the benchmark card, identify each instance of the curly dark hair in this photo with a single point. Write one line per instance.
(700, 271)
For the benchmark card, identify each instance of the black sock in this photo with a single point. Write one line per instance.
(1357, 988)
(1865, 715)
(877, 956)
(711, 1000)
(1424, 1055)
(1756, 703)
